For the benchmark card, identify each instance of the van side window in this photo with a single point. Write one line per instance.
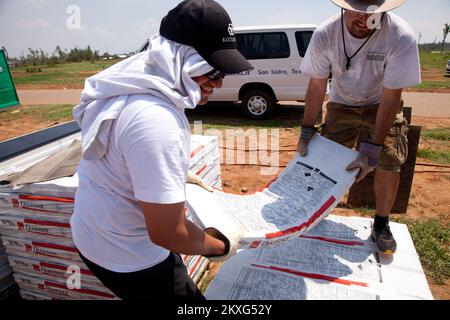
(267, 45)
(303, 38)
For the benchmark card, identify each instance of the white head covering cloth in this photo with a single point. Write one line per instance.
(165, 70)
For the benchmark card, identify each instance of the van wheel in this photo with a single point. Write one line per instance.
(258, 104)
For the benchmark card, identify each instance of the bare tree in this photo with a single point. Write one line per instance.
(446, 30)
(6, 52)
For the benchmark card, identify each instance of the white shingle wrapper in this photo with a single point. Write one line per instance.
(337, 260)
(302, 195)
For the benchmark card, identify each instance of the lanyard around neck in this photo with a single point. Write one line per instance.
(349, 59)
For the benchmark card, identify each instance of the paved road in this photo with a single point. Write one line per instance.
(424, 104)
(436, 105)
(58, 96)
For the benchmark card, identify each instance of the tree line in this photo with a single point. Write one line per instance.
(435, 46)
(40, 57)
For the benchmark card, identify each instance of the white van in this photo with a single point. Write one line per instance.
(276, 53)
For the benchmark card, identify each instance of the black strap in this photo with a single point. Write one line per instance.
(347, 65)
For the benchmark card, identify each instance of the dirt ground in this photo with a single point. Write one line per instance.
(430, 195)
(13, 129)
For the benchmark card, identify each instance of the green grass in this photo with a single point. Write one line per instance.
(431, 239)
(67, 73)
(442, 157)
(437, 134)
(441, 137)
(365, 211)
(427, 85)
(39, 113)
(433, 71)
(434, 60)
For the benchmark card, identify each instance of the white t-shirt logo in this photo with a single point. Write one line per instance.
(231, 29)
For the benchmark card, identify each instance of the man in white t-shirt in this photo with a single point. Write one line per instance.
(371, 57)
(129, 221)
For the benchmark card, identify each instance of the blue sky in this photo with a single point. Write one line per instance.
(123, 25)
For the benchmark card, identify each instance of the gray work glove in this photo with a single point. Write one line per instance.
(195, 179)
(231, 241)
(306, 135)
(367, 160)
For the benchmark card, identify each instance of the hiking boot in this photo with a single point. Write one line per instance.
(384, 239)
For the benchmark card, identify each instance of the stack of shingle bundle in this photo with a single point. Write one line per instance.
(7, 285)
(35, 229)
(36, 233)
(205, 162)
(205, 159)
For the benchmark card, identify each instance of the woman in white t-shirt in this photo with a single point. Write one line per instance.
(129, 223)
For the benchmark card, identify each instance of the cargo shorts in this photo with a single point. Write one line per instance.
(349, 126)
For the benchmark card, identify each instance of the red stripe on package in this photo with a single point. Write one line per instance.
(45, 198)
(85, 291)
(199, 258)
(337, 241)
(306, 224)
(199, 171)
(54, 246)
(48, 223)
(193, 153)
(314, 276)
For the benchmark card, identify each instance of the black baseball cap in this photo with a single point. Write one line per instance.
(207, 27)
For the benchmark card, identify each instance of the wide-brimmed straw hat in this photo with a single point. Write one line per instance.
(368, 6)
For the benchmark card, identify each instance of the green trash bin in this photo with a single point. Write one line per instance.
(8, 93)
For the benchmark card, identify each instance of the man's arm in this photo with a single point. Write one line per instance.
(168, 227)
(387, 111)
(369, 152)
(314, 100)
(313, 106)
